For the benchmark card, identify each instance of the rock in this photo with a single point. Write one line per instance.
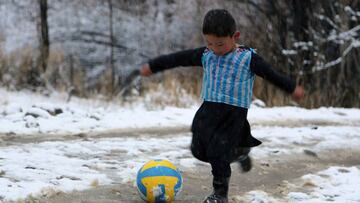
(37, 112)
(310, 153)
(68, 177)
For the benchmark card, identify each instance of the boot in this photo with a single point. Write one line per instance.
(220, 193)
(245, 163)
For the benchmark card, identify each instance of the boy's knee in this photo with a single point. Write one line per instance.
(198, 153)
(244, 150)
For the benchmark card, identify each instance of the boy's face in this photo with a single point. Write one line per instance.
(221, 45)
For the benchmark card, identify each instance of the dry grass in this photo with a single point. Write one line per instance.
(20, 70)
(94, 183)
(177, 87)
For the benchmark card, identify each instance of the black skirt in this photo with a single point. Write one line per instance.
(221, 132)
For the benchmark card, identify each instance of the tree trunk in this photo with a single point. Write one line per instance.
(44, 36)
(112, 42)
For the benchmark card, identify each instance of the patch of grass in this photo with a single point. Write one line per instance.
(94, 183)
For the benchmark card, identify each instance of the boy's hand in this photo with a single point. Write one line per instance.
(298, 93)
(145, 70)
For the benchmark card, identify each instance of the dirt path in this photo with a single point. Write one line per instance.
(267, 175)
(13, 139)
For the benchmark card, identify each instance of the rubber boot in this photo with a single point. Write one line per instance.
(245, 163)
(220, 193)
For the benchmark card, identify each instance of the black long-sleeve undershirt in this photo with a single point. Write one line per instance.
(192, 57)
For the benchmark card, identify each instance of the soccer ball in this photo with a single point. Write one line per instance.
(158, 181)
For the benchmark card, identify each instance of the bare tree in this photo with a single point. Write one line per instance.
(315, 41)
(44, 34)
(112, 43)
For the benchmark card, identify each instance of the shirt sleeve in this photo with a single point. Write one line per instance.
(261, 68)
(191, 57)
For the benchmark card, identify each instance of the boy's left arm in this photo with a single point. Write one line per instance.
(261, 68)
(190, 57)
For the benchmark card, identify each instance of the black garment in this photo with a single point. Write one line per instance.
(221, 132)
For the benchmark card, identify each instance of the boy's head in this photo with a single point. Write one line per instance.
(219, 22)
(219, 29)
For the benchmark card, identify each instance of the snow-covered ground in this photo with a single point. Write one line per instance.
(335, 184)
(24, 113)
(37, 168)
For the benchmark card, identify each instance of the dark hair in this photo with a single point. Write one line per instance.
(219, 22)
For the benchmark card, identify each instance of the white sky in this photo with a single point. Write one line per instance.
(36, 168)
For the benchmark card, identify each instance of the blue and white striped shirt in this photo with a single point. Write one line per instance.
(228, 78)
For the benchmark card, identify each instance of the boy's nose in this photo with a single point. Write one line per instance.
(218, 53)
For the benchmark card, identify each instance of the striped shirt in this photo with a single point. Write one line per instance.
(228, 79)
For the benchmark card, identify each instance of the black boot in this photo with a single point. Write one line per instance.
(220, 193)
(245, 163)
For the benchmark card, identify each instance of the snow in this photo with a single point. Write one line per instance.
(335, 184)
(40, 168)
(281, 140)
(75, 165)
(80, 116)
(351, 11)
(289, 52)
(303, 45)
(70, 26)
(24, 114)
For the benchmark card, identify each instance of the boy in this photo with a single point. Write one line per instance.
(221, 132)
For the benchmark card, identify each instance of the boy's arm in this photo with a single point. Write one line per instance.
(261, 68)
(191, 57)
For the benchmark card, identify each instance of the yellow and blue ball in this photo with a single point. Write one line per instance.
(159, 181)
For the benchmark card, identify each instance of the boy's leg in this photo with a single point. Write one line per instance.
(221, 171)
(221, 176)
(220, 168)
(244, 160)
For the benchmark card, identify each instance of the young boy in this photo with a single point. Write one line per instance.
(221, 132)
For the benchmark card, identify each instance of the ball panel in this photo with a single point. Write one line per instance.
(159, 171)
(160, 187)
(160, 195)
(141, 188)
(178, 186)
(155, 163)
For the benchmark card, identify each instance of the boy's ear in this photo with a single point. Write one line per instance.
(236, 35)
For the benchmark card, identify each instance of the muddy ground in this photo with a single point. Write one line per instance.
(270, 175)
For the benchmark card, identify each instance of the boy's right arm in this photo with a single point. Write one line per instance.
(191, 57)
(261, 68)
